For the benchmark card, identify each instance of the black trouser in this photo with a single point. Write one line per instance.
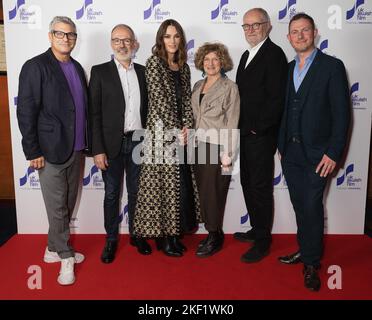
(113, 178)
(256, 177)
(213, 186)
(306, 189)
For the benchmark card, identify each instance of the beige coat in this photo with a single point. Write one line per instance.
(217, 114)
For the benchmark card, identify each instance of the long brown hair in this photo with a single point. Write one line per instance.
(159, 48)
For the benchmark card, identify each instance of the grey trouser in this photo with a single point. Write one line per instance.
(59, 186)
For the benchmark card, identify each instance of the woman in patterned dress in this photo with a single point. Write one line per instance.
(167, 203)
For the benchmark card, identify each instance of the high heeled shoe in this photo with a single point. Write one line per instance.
(167, 247)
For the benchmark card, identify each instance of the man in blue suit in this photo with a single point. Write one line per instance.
(312, 138)
(51, 111)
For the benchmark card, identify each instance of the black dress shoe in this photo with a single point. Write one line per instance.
(108, 254)
(166, 245)
(142, 246)
(245, 236)
(293, 258)
(212, 244)
(255, 254)
(311, 278)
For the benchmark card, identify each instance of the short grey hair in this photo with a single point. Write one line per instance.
(263, 13)
(122, 25)
(61, 19)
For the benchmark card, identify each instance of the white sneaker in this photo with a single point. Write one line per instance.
(66, 274)
(51, 257)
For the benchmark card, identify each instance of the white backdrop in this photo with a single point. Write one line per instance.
(345, 31)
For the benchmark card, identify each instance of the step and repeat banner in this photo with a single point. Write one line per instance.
(345, 31)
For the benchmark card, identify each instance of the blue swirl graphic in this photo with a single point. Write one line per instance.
(323, 45)
(13, 12)
(244, 218)
(354, 88)
(147, 13)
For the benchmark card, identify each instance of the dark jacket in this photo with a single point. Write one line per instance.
(107, 107)
(262, 89)
(46, 110)
(325, 109)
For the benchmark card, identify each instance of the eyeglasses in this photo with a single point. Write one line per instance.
(61, 35)
(117, 41)
(298, 32)
(254, 26)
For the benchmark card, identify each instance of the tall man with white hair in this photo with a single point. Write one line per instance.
(51, 111)
(261, 78)
(117, 109)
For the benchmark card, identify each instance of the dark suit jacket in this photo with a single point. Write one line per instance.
(107, 107)
(325, 111)
(46, 110)
(262, 89)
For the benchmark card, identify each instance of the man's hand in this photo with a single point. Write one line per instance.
(37, 163)
(226, 163)
(100, 160)
(325, 166)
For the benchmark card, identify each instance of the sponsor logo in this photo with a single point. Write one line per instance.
(123, 216)
(23, 14)
(348, 180)
(223, 14)
(359, 14)
(88, 14)
(30, 180)
(94, 179)
(155, 13)
(358, 102)
(288, 12)
(190, 46)
(279, 181)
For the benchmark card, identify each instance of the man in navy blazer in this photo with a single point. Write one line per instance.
(51, 111)
(118, 112)
(312, 138)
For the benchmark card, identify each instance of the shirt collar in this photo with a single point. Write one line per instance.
(119, 66)
(310, 58)
(257, 46)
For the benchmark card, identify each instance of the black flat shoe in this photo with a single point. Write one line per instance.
(142, 246)
(178, 244)
(255, 254)
(293, 258)
(109, 251)
(211, 245)
(311, 278)
(167, 247)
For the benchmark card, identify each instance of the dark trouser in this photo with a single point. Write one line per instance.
(59, 185)
(256, 178)
(113, 177)
(213, 186)
(306, 190)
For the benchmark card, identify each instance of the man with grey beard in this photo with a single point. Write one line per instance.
(117, 109)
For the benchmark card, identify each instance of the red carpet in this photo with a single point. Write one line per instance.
(223, 276)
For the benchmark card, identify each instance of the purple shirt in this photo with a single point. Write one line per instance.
(76, 90)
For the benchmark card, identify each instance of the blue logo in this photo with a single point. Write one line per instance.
(244, 219)
(30, 179)
(223, 13)
(358, 102)
(359, 13)
(347, 179)
(156, 12)
(26, 15)
(91, 15)
(288, 11)
(94, 179)
(15, 100)
(123, 216)
(323, 45)
(279, 181)
(190, 51)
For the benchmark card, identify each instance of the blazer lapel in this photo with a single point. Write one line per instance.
(259, 55)
(116, 82)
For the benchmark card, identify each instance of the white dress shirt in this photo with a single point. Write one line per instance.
(253, 51)
(132, 96)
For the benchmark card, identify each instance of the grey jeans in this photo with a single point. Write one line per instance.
(59, 186)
